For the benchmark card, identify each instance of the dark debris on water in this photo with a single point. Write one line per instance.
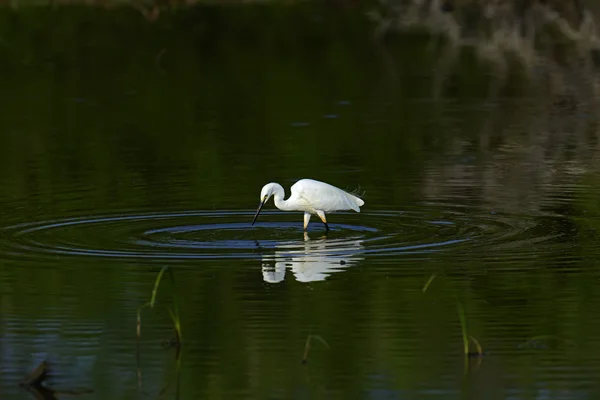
(34, 384)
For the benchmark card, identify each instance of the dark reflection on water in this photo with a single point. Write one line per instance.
(114, 167)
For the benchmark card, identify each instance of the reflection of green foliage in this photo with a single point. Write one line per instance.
(90, 107)
(221, 74)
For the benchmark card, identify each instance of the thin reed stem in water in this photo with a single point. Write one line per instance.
(174, 313)
(308, 343)
(463, 326)
(428, 283)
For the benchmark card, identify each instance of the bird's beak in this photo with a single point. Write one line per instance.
(262, 203)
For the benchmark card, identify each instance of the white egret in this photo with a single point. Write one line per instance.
(310, 196)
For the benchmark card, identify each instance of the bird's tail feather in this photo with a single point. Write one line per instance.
(358, 192)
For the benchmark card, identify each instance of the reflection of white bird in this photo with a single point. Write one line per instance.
(310, 196)
(314, 261)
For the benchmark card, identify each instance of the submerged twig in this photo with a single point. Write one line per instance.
(38, 376)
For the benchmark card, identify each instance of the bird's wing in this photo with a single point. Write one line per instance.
(323, 196)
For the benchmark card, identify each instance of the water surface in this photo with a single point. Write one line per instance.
(122, 156)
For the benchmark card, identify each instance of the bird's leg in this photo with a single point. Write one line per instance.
(321, 215)
(306, 219)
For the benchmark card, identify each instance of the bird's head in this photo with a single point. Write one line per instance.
(267, 191)
(265, 194)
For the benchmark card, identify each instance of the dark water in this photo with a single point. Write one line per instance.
(127, 146)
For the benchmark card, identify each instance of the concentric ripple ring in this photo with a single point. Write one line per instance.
(227, 234)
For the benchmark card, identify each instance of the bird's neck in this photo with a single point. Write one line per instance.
(280, 202)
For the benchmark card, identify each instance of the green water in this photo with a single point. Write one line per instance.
(126, 146)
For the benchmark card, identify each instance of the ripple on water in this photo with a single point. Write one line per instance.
(426, 230)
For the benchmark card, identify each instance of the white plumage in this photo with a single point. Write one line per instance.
(311, 197)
